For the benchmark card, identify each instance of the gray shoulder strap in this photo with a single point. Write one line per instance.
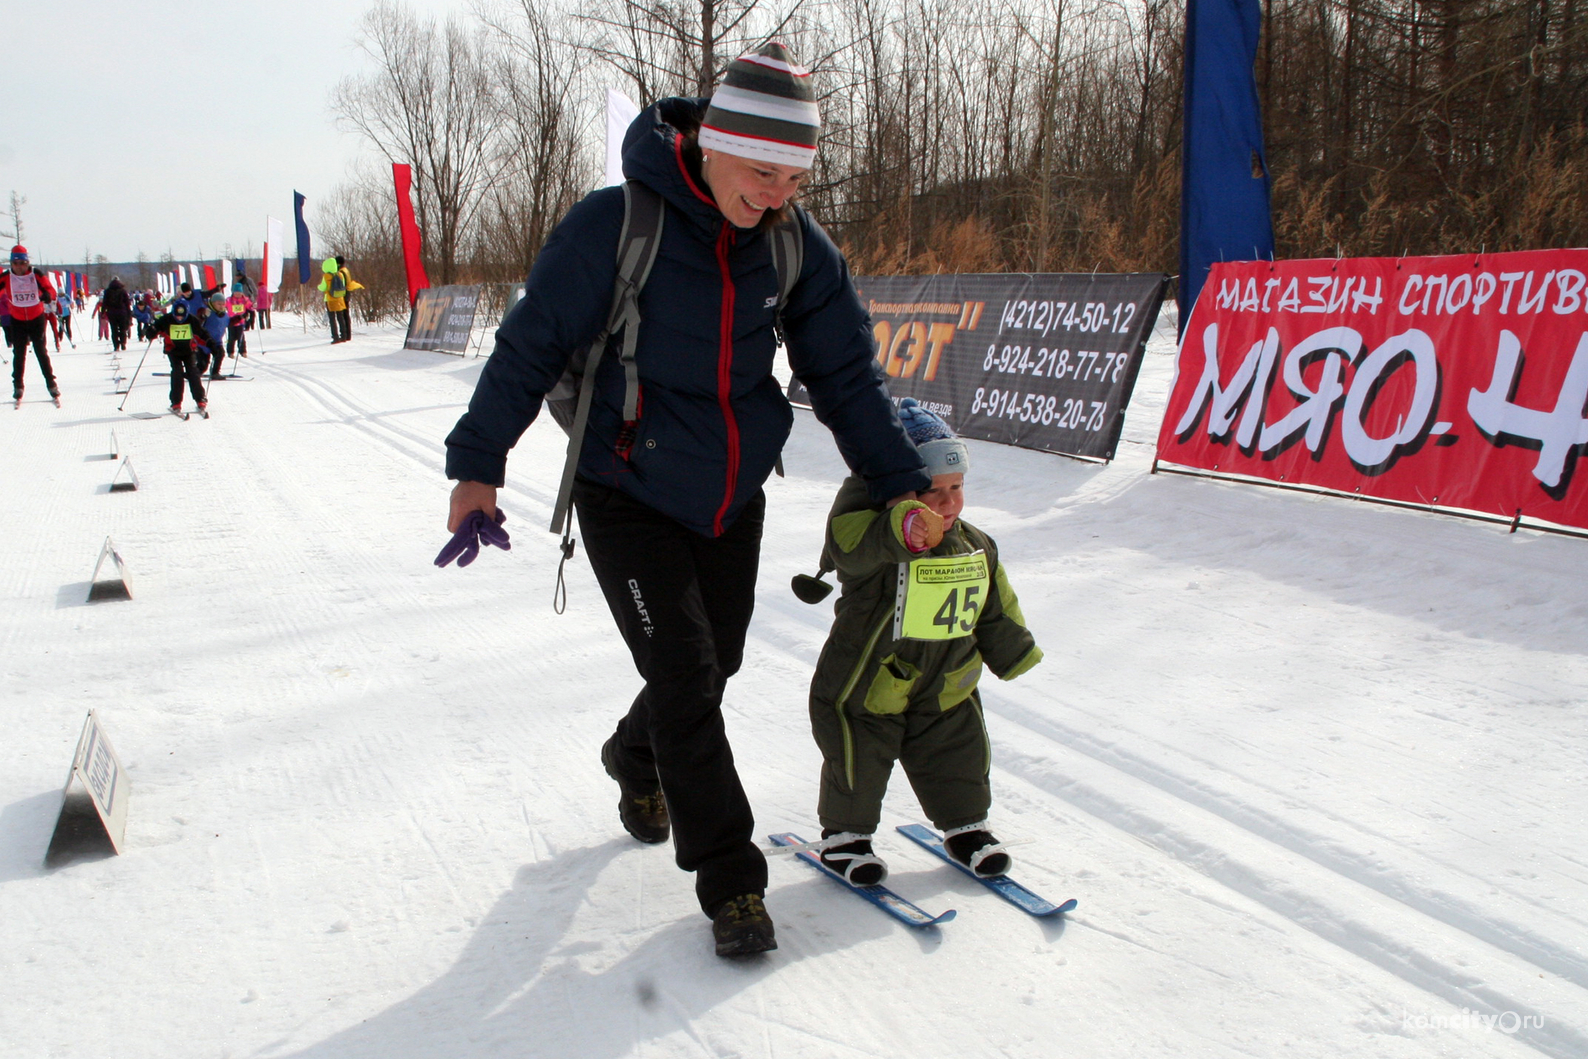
(788, 257)
(643, 212)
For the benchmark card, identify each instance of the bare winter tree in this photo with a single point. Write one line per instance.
(431, 101)
(547, 105)
(678, 47)
(358, 218)
(968, 135)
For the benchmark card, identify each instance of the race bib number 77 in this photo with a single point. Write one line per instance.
(940, 598)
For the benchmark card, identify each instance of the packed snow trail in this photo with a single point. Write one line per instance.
(1312, 768)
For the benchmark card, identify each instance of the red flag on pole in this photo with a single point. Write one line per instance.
(402, 175)
(209, 277)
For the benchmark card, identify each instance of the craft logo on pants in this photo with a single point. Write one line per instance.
(639, 605)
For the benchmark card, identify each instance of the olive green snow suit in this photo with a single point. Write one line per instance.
(878, 696)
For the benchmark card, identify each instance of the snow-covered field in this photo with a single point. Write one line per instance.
(1314, 769)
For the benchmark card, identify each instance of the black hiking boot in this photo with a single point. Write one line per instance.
(976, 848)
(741, 927)
(642, 809)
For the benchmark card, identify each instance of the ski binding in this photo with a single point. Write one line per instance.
(1002, 885)
(904, 911)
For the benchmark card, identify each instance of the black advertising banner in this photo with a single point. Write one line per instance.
(443, 319)
(1044, 361)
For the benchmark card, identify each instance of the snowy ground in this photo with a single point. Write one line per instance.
(1314, 769)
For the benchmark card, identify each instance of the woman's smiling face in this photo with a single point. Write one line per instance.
(745, 188)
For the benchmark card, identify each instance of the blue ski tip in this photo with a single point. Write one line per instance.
(1005, 887)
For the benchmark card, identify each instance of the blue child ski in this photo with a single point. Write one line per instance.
(1001, 885)
(884, 898)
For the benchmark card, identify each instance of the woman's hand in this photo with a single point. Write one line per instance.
(467, 497)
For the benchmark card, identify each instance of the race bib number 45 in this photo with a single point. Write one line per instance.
(940, 598)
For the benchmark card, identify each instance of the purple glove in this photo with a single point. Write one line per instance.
(475, 531)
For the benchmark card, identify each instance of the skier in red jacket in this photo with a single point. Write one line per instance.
(29, 291)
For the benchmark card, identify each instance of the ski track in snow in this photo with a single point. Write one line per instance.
(1312, 768)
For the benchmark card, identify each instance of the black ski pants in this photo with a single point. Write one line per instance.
(185, 365)
(217, 357)
(236, 341)
(118, 331)
(341, 325)
(24, 332)
(683, 604)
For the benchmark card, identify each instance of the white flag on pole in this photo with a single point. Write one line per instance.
(275, 242)
(226, 276)
(621, 112)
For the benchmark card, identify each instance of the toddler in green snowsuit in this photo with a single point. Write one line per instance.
(924, 604)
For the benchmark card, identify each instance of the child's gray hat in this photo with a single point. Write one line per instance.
(941, 449)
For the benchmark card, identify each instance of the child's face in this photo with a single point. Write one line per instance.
(946, 497)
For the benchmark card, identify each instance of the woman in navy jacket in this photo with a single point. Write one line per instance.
(671, 505)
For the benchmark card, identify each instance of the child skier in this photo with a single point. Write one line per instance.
(239, 314)
(63, 309)
(925, 603)
(143, 312)
(213, 321)
(181, 333)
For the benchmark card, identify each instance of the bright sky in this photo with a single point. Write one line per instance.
(159, 125)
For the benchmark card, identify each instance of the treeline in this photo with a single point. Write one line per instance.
(988, 135)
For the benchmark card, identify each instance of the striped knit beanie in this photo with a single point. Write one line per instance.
(764, 109)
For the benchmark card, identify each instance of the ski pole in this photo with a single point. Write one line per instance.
(135, 372)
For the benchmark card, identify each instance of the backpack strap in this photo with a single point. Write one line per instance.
(643, 213)
(788, 257)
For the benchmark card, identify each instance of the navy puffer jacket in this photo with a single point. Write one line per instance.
(712, 418)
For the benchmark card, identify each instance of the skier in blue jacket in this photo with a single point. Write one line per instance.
(213, 321)
(670, 505)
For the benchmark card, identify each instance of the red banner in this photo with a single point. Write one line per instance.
(1456, 382)
(402, 177)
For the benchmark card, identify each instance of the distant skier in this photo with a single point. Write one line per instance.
(52, 316)
(896, 680)
(30, 291)
(195, 300)
(239, 314)
(333, 284)
(180, 333)
(262, 303)
(213, 321)
(116, 306)
(64, 311)
(349, 285)
(143, 311)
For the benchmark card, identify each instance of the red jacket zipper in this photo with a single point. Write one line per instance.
(725, 243)
(725, 375)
